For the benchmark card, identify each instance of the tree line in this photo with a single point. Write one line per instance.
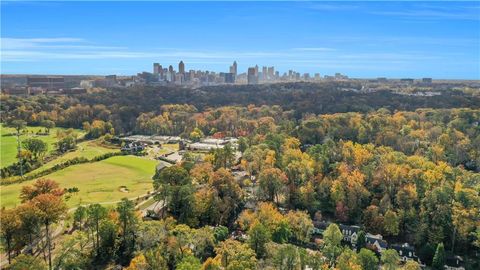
(122, 107)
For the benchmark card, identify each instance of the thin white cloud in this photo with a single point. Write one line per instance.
(35, 49)
(380, 41)
(33, 55)
(27, 55)
(409, 10)
(19, 43)
(314, 49)
(429, 14)
(333, 7)
(388, 56)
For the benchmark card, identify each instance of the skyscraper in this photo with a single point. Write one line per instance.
(171, 74)
(252, 75)
(156, 68)
(271, 72)
(181, 67)
(233, 68)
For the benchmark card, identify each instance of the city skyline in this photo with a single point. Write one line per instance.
(395, 40)
(161, 75)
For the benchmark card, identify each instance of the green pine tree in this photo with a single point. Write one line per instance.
(439, 258)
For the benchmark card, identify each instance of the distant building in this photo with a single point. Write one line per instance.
(143, 77)
(208, 144)
(233, 68)
(271, 73)
(407, 80)
(180, 78)
(46, 82)
(157, 68)
(16, 91)
(181, 67)
(156, 139)
(427, 80)
(111, 77)
(75, 91)
(382, 80)
(252, 77)
(228, 77)
(108, 81)
(340, 76)
(170, 74)
(205, 147)
(87, 83)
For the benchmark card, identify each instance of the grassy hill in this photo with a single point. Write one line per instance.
(8, 142)
(99, 182)
(87, 149)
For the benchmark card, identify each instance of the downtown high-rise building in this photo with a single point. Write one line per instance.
(156, 68)
(271, 73)
(170, 74)
(264, 73)
(252, 75)
(233, 68)
(181, 67)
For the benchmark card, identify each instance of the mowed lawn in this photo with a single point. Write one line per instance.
(87, 149)
(8, 142)
(98, 182)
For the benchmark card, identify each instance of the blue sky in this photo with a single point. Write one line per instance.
(360, 39)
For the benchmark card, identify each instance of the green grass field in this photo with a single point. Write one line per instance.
(98, 182)
(8, 142)
(87, 149)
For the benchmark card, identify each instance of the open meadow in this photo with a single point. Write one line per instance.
(8, 142)
(98, 182)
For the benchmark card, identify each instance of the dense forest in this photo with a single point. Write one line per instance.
(122, 106)
(405, 167)
(310, 114)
